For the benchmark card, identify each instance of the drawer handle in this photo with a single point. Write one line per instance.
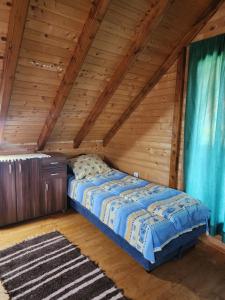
(54, 174)
(54, 163)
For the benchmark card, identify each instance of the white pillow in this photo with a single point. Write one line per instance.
(88, 165)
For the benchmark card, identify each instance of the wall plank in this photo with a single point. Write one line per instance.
(143, 144)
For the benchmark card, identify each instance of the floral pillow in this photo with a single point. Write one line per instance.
(88, 165)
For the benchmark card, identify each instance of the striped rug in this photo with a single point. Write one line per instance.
(50, 267)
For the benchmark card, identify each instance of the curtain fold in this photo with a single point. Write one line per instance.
(204, 137)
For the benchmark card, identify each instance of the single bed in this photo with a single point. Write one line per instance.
(153, 223)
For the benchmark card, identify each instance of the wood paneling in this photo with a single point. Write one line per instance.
(5, 8)
(185, 40)
(152, 18)
(143, 144)
(87, 35)
(104, 56)
(17, 20)
(64, 147)
(110, 46)
(147, 150)
(51, 31)
(67, 149)
(215, 26)
(163, 40)
(198, 275)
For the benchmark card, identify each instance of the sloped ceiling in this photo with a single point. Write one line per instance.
(51, 32)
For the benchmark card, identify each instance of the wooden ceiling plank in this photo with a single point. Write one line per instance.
(170, 60)
(17, 21)
(152, 18)
(90, 28)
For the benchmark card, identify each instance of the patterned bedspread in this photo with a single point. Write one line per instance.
(147, 215)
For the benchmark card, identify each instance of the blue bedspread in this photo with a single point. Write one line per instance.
(147, 215)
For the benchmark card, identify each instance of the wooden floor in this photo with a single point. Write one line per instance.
(200, 274)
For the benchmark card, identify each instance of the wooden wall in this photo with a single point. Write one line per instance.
(63, 147)
(143, 144)
(51, 32)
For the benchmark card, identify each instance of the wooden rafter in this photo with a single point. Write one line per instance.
(210, 11)
(90, 28)
(17, 21)
(177, 119)
(149, 23)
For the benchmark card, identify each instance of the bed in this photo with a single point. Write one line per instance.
(153, 223)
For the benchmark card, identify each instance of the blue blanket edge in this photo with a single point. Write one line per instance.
(174, 249)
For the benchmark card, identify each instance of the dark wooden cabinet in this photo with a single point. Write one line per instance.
(31, 188)
(53, 172)
(54, 194)
(8, 211)
(39, 203)
(26, 178)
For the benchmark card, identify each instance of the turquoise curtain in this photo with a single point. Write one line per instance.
(204, 146)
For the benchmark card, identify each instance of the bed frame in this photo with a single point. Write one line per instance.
(174, 249)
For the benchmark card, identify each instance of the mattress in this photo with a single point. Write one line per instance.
(147, 215)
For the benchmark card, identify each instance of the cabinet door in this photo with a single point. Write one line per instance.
(39, 201)
(55, 194)
(25, 198)
(29, 202)
(8, 213)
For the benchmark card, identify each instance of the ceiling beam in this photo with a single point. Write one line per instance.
(181, 77)
(17, 19)
(170, 60)
(152, 18)
(90, 28)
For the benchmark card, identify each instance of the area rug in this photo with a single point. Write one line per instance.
(50, 267)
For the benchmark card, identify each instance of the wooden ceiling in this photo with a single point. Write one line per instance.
(74, 70)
